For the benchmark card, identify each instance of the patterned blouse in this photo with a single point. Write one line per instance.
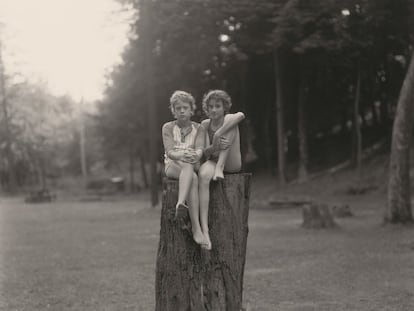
(174, 140)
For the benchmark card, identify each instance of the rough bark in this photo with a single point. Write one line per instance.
(189, 278)
(398, 209)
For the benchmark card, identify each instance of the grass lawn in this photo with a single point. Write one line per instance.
(72, 255)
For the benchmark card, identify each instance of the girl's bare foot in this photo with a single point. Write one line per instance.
(207, 246)
(218, 173)
(199, 237)
(181, 211)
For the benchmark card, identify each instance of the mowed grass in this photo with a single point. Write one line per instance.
(78, 256)
(71, 255)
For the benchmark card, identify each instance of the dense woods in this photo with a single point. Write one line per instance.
(333, 69)
(334, 58)
(318, 80)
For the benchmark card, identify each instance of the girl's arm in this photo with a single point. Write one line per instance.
(201, 140)
(168, 141)
(230, 120)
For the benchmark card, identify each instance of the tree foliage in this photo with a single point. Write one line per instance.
(40, 127)
(203, 44)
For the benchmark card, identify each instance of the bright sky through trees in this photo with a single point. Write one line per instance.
(68, 44)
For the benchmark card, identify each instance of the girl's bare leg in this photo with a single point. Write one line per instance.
(230, 158)
(205, 174)
(185, 180)
(184, 173)
(194, 209)
(175, 170)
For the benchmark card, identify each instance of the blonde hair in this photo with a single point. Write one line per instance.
(184, 97)
(218, 95)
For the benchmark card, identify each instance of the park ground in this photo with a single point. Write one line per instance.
(87, 255)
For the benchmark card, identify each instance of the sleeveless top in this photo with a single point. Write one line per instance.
(182, 142)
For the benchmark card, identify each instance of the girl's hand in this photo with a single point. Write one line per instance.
(224, 143)
(215, 143)
(220, 143)
(190, 156)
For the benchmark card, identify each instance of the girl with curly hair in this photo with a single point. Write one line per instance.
(221, 140)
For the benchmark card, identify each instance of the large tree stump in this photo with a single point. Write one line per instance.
(189, 278)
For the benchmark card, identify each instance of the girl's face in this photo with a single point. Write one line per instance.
(182, 110)
(215, 109)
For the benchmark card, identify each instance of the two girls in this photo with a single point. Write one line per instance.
(186, 142)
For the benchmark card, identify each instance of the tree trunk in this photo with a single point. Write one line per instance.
(189, 278)
(131, 157)
(398, 208)
(143, 170)
(43, 172)
(302, 138)
(279, 119)
(151, 104)
(11, 171)
(243, 107)
(82, 145)
(38, 171)
(267, 143)
(375, 116)
(357, 146)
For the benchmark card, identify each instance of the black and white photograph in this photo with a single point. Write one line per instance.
(206, 155)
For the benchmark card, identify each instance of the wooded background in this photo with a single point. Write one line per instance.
(318, 81)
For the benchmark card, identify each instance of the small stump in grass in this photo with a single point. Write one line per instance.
(191, 279)
(317, 216)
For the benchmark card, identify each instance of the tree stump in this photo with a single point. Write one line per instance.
(317, 216)
(190, 278)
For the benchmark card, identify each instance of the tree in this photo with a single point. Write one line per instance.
(302, 127)
(340, 53)
(398, 209)
(280, 118)
(7, 145)
(344, 45)
(42, 125)
(39, 127)
(187, 278)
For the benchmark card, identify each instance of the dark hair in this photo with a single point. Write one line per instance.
(218, 95)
